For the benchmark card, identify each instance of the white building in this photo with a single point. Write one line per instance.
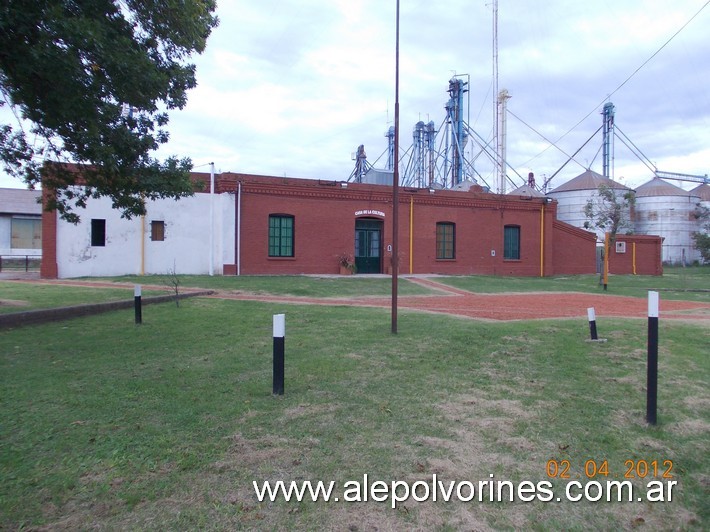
(173, 236)
(20, 223)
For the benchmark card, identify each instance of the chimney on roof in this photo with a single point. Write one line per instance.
(531, 180)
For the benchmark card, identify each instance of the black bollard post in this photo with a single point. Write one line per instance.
(592, 323)
(652, 374)
(137, 304)
(279, 349)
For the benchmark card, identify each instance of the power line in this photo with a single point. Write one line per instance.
(632, 74)
(551, 143)
(635, 150)
(654, 55)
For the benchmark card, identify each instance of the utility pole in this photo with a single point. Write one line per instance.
(395, 181)
(496, 110)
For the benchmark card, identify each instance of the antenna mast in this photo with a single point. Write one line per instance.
(496, 115)
(501, 163)
(608, 140)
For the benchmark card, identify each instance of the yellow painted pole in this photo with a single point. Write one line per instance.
(143, 245)
(633, 256)
(411, 235)
(542, 240)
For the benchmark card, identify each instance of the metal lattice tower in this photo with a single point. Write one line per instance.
(607, 141)
(502, 141)
(390, 148)
(361, 165)
(440, 157)
(423, 155)
(459, 133)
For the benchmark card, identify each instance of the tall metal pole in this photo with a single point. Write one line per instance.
(496, 115)
(395, 181)
(502, 143)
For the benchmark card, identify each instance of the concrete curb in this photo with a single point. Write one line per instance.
(31, 317)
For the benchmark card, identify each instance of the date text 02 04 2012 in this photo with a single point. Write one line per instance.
(594, 468)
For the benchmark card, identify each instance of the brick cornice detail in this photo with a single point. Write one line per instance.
(420, 199)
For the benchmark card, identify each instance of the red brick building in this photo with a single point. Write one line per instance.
(637, 255)
(440, 231)
(272, 225)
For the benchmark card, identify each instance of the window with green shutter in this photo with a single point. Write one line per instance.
(445, 240)
(511, 242)
(280, 235)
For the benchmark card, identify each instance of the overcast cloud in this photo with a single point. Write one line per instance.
(290, 87)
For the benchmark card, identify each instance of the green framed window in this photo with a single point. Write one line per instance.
(511, 242)
(281, 235)
(445, 240)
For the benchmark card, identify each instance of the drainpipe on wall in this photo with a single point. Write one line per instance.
(411, 235)
(239, 228)
(211, 251)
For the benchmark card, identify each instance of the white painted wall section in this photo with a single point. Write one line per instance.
(185, 248)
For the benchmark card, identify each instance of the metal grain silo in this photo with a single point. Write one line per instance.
(703, 192)
(668, 211)
(572, 197)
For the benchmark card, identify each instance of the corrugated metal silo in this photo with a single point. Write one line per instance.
(572, 197)
(703, 192)
(668, 211)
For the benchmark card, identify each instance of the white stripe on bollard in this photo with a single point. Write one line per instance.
(279, 325)
(592, 324)
(653, 306)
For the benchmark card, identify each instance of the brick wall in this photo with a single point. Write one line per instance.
(325, 214)
(574, 250)
(642, 250)
(49, 269)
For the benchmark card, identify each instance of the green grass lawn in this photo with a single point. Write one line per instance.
(691, 284)
(292, 285)
(18, 297)
(165, 425)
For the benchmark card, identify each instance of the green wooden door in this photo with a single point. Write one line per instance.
(368, 246)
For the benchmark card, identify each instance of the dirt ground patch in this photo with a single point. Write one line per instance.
(496, 307)
(13, 303)
(507, 306)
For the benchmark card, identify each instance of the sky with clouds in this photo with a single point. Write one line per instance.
(290, 87)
